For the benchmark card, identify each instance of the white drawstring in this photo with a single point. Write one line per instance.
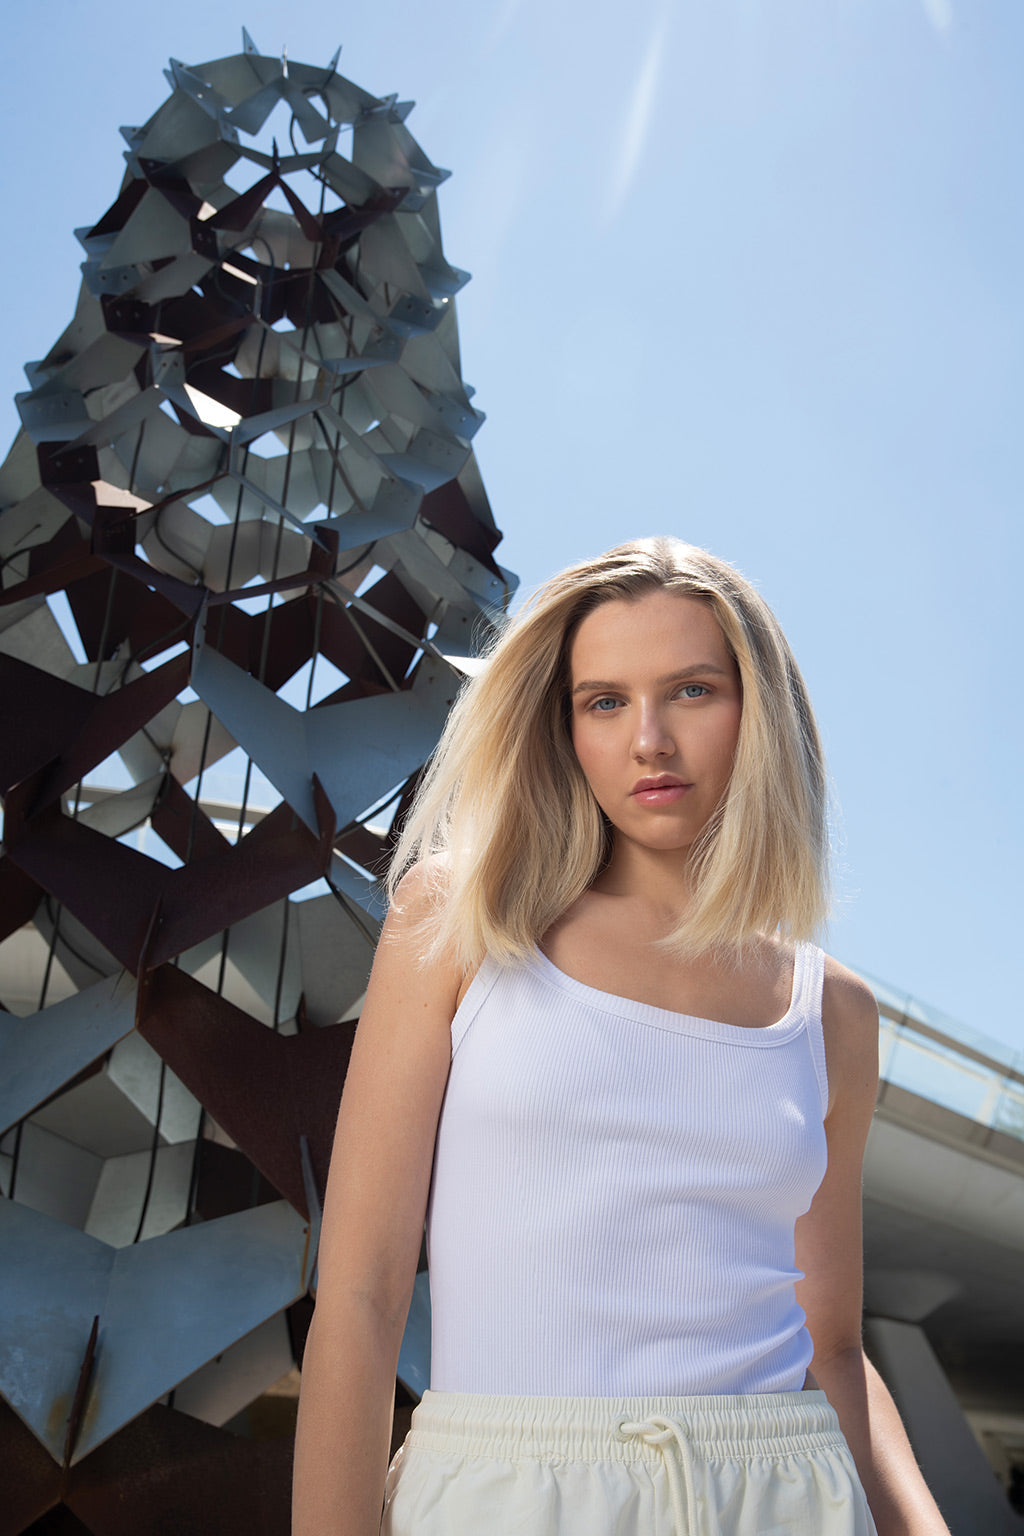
(661, 1431)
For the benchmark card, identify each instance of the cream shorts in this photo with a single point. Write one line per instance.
(767, 1465)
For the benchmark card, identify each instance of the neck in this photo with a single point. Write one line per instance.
(658, 879)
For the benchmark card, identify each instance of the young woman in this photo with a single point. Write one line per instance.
(601, 1055)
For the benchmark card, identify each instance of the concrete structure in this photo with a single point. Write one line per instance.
(944, 1256)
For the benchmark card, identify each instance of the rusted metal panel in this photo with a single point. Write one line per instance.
(266, 1090)
(65, 731)
(164, 1474)
(29, 1476)
(132, 902)
(19, 898)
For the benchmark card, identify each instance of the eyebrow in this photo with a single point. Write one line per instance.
(702, 669)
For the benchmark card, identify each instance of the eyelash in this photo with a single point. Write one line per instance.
(606, 698)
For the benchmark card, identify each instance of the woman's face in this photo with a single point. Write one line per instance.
(656, 704)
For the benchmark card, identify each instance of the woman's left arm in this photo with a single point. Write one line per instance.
(829, 1253)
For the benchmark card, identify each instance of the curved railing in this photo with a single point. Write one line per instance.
(934, 1056)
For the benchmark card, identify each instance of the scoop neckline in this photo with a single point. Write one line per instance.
(790, 1024)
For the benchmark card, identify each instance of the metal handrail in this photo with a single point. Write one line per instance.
(936, 1064)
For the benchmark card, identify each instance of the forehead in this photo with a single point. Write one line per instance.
(657, 627)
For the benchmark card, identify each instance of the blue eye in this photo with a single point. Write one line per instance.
(605, 706)
(693, 690)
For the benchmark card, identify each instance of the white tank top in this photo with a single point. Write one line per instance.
(615, 1189)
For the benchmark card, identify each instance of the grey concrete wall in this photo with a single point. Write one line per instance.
(953, 1463)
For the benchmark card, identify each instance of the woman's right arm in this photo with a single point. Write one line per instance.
(372, 1227)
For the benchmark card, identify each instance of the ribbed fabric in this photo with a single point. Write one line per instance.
(615, 1190)
(767, 1465)
(590, 1429)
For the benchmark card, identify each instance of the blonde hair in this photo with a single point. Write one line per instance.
(506, 806)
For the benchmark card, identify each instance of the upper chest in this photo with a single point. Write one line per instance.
(625, 965)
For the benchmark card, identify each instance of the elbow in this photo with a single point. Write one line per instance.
(375, 1313)
(835, 1333)
(840, 1366)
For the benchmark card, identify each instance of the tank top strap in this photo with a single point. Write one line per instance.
(473, 999)
(808, 984)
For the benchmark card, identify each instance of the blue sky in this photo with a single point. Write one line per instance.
(748, 271)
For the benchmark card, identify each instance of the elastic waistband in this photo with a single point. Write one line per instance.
(592, 1428)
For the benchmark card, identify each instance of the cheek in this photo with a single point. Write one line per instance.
(588, 751)
(580, 745)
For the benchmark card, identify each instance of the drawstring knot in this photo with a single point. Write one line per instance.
(662, 1432)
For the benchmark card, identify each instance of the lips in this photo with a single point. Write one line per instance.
(663, 781)
(664, 790)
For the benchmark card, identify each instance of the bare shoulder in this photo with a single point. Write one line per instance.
(410, 929)
(847, 1001)
(849, 1016)
(423, 885)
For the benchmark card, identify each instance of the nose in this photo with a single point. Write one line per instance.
(651, 739)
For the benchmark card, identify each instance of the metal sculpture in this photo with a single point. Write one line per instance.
(242, 521)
